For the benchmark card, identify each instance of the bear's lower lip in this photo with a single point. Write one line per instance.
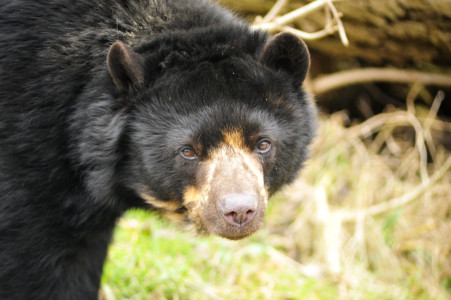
(233, 232)
(236, 237)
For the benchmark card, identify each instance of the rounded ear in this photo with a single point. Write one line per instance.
(287, 53)
(125, 66)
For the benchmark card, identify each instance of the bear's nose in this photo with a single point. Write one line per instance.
(238, 209)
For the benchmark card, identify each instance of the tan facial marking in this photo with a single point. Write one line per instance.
(234, 138)
(170, 206)
(193, 200)
(191, 196)
(166, 205)
(230, 168)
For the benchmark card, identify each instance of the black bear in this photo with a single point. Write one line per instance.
(171, 105)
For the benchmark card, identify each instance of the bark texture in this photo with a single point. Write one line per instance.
(396, 32)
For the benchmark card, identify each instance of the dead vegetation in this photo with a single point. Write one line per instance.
(371, 208)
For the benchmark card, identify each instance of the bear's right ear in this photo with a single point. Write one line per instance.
(287, 53)
(125, 66)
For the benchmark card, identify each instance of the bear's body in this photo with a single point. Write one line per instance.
(108, 105)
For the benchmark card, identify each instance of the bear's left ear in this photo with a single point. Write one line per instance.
(287, 53)
(125, 66)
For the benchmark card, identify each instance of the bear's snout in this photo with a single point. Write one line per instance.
(238, 209)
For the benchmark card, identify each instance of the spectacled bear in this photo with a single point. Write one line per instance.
(170, 105)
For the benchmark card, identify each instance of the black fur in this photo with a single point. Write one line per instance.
(75, 143)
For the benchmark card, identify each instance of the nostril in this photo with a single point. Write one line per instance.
(231, 215)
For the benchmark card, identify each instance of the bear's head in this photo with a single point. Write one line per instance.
(216, 123)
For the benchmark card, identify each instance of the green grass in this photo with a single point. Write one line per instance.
(151, 259)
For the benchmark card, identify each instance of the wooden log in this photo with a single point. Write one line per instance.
(397, 32)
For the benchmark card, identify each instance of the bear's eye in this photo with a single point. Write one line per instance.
(263, 146)
(188, 153)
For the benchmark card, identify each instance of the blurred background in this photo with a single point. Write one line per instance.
(370, 215)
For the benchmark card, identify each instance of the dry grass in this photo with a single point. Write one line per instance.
(373, 208)
(372, 211)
